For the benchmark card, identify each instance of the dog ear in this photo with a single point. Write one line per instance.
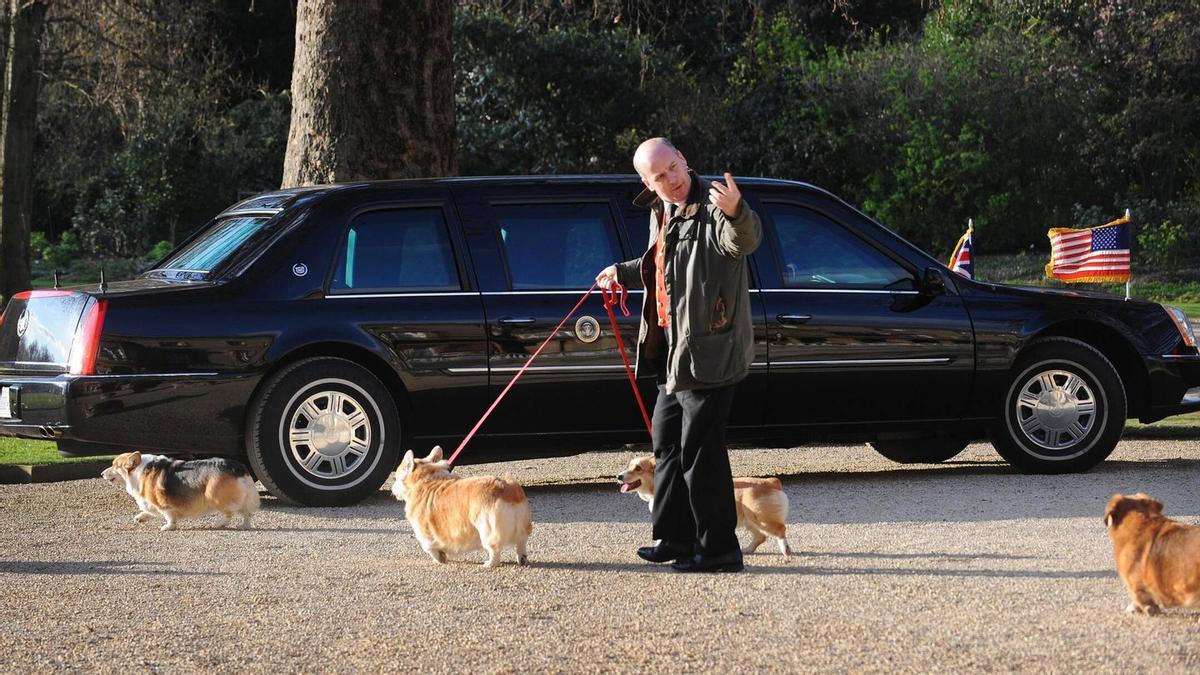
(132, 460)
(435, 455)
(1119, 506)
(406, 464)
(1149, 504)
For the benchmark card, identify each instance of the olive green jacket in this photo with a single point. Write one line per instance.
(709, 339)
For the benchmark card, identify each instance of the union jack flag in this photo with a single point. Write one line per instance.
(1092, 254)
(960, 260)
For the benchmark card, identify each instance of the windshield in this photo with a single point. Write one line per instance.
(199, 257)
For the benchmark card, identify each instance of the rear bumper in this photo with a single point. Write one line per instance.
(1174, 387)
(171, 412)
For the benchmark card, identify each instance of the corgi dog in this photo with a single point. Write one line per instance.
(762, 505)
(450, 514)
(1158, 559)
(176, 489)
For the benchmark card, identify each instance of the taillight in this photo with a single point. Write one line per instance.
(87, 340)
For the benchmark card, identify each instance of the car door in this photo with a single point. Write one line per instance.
(853, 338)
(399, 274)
(538, 251)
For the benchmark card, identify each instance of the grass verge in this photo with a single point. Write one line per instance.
(24, 451)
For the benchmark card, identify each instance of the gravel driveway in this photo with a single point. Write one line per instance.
(964, 566)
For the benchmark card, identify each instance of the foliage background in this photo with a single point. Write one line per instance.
(1020, 114)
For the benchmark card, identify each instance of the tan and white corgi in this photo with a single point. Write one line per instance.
(762, 505)
(450, 514)
(176, 489)
(1158, 559)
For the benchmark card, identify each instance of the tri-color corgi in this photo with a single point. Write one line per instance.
(762, 505)
(176, 489)
(450, 514)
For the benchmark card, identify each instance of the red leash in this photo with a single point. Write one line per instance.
(610, 298)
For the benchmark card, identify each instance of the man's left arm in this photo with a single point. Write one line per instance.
(739, 230)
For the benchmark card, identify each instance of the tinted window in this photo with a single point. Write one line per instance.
(210, 249)
(816, 252)
(551, 246)
(406, 249)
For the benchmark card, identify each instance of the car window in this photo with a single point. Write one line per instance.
(201, 255)
(397, 250)
(557, 246)
(816, 252)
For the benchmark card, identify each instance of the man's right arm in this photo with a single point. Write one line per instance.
(628, 274)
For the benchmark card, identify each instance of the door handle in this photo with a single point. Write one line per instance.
(793, 319)
(510, 321)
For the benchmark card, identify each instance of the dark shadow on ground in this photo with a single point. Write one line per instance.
(96, 567)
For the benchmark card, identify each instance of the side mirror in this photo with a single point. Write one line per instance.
(933, 283)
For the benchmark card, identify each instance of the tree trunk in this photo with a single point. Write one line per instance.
(18, 125)
(372, 92)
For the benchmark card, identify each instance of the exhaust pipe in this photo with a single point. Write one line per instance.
(49, 432)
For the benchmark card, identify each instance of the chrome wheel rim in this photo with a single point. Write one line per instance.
(1056, 409)
(329, 434)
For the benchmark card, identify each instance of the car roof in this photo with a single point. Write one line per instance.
(278, 200)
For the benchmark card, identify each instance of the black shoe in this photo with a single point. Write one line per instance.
(664, 552)
(726, 562)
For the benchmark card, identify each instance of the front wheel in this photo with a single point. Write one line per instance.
(323, 432)
(1063, 411)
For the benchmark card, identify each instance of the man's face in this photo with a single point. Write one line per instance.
(666, 173)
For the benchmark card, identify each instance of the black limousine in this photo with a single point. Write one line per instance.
(318, 331)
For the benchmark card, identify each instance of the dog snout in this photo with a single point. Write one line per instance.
(621, 477)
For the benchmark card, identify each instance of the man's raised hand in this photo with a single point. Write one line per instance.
(726, 197)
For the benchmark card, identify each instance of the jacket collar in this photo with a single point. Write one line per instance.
(648, 198)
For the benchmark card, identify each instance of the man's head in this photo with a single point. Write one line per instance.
(663, 169)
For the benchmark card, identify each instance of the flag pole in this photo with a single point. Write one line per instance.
(1129, 281)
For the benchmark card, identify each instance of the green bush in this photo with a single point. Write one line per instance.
(1162, 243)
(61, 255)
(160, 251)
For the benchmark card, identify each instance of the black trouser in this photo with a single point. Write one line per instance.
(693, 485)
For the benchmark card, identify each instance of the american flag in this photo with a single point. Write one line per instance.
(960, 260)
(1095, 254)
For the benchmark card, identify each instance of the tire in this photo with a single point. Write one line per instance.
(930, 450)
(1063, 410)
(323, 432)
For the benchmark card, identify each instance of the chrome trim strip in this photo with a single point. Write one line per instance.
(550, 292)
(834, 290)
(1174, 357)
(863, 362)
(430, 294)
(132, 376)
(1191, 396)
(257, 211)
(475, 370)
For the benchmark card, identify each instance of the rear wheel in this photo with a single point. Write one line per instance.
(920, 450)
(1063, 411)
(323, 432)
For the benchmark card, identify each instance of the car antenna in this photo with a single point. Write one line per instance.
(56, 277)
(103, 283)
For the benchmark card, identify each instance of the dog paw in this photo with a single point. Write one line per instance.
(168, 526)
(522, 560)
(142, 517)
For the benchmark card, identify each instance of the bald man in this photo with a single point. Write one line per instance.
(697, 339)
